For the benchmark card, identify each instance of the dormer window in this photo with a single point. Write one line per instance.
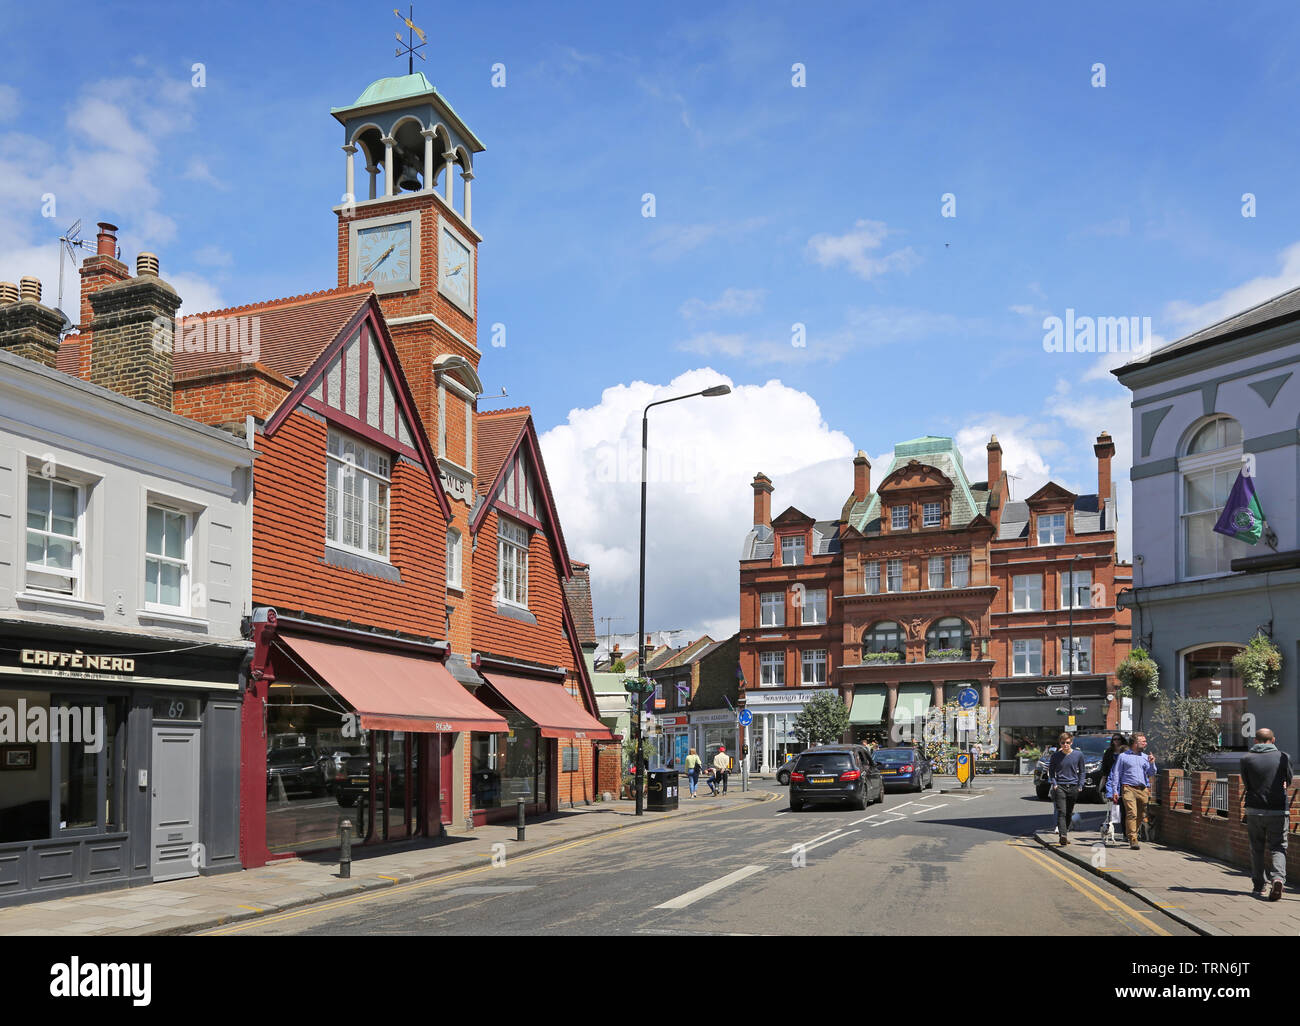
(356, 496)
(792, 550)
(898, 518)
(932, 514)
(1051, 528)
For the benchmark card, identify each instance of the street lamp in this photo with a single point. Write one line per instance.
(1069, 683)
(639, 782)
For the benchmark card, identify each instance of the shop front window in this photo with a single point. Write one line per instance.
(1208, 673)
(507, 767)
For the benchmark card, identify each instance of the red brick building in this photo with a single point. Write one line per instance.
(903, 600)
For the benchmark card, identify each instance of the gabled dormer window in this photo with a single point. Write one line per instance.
(932, 514)
(792, 550)
(898, 518)
(1051, 528)
(512, 562)
(356, 496)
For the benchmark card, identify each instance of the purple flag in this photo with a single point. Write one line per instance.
(1242, 517)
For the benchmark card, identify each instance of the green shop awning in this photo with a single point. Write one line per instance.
(913, 701)
(868, 705)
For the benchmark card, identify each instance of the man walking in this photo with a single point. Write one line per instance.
(721, 764)
(1265, 774)
(1130, 784)
(1065, 773)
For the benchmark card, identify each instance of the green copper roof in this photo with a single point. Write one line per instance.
(396, 88)
(939, 452)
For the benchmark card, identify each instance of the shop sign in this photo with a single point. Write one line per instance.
(780, 696)
(713, 717)
(76, 661)
(674, 721)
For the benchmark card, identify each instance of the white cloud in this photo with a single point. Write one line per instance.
(857, 248)
(1192, 317)
(198, 171)
(703, 455)
(732, 303)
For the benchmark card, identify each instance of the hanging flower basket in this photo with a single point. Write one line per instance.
(1139, 674)
(1259, 665)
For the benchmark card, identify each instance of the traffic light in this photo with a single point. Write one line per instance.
(745, 750)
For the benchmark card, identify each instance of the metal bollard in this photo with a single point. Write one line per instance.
(519, 822)
(345, 849)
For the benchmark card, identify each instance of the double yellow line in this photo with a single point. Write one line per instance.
(385, 892)
(1082, 884)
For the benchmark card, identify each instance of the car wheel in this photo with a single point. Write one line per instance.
(880, 795)
(796, 805)
(929, 781)
(783, 779)
(862, 799)
(920, 784)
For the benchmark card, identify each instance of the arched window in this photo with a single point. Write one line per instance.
(1207, 468)
(885, 636)
(950, 632)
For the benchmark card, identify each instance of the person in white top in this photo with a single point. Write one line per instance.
(721, 766)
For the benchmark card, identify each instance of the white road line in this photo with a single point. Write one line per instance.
(929, 807)
(691, 897)
(883, 822)
(812, 840)
(785, 813)
(836, 837)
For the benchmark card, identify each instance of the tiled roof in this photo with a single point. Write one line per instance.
(758, 543)
(293, 331)
(1089, 518)
(826, 537)
(936, 451)
(577, 593)
(498, 430)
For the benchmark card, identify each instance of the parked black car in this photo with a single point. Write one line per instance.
(905, 768)
(783, 774)
(1093, 747)
(838, 774)
(295, 769)
(355, 783)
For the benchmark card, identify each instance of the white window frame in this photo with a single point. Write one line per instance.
(932, 514)
(771, 602)
(814, 607)
(814, 658)
(454, 559)
(871, 579)
(1027, 593)
(1070, 595)
(513, 541)
(771, 669)
(890, 566)
(77, 574)
(894, 518)
(793, 544)
(1048, 521)
(1082, 647)
(1027, 649)
(373, 480)
(1226, 460)
(961, 568)
(186, 564)
(930, 570)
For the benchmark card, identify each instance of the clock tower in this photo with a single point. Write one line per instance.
(409, 231)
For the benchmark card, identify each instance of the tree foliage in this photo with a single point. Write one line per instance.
(1184, 731)
(823, 721)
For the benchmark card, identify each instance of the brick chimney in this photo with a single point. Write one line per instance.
(762, 500)
(861, 477)
(1105, 449)
(104, 268)
(29, 328)
(995, 461)
(125, 354)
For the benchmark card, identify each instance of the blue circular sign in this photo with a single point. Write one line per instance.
(968, 698)
(746, 717)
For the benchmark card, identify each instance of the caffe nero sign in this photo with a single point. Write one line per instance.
(75, 663)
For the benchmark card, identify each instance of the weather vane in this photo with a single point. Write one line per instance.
(408, 45)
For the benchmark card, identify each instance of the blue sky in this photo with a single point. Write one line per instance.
(775, 206)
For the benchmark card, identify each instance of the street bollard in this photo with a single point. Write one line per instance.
(345, 849)
(519, 822)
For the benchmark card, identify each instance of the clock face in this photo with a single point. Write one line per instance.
(455, 270)
(383, 253)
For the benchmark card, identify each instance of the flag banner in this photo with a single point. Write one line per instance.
(1242, 517)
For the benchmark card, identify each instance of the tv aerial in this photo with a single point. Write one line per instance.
(69, 242)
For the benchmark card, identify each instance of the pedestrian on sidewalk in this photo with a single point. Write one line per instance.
(1065, 773)
(693, 764)
(1129, 783)
(721, 764)
(1118, 742)
(1265, 775)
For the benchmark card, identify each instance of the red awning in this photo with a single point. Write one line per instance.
(550, 706)
(392, 691)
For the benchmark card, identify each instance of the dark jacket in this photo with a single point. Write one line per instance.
(1265, 776)
(1108, 762)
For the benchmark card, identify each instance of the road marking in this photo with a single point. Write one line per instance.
(804, 844)
(461, 892)
(886, 822)
(836, 837)
(251, 908)
(785, 813)
(943, 805)
(1093, 892)
(691, 897)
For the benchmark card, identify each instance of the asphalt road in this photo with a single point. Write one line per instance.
(929, 864)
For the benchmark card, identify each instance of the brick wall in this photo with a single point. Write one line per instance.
(1195, 826)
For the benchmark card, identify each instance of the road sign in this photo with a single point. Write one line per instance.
(966, 721)
(746, 717)
(968, 698)
(1057, 690)
(963, 767)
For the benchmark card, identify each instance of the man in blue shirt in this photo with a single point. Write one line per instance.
(1065, 773)
(1130, 784)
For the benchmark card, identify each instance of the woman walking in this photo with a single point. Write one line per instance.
(693, 764)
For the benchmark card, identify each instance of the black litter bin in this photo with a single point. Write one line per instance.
(661, 790)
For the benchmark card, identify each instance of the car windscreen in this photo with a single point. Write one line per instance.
(357, 764)
(290, 757)
(1094, 747)
(895, 755)
(826, 762)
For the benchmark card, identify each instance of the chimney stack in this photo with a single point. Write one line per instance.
(762, 500)
(28, 328)
(1105, 449)
(106, 240)
(127, 352)
(104, 268)
(861, 477)
(995, 461)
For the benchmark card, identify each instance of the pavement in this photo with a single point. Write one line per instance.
(203, 902)
(1206, 895)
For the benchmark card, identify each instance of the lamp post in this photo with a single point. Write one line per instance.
(1069, 683)
(715, 390)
